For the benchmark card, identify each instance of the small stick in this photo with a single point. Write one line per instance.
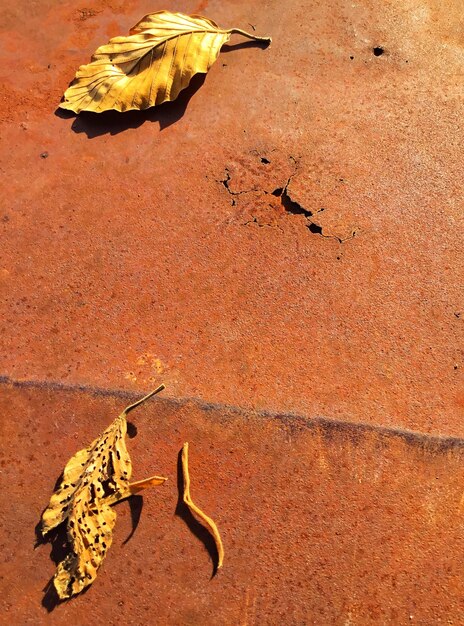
(129, 408)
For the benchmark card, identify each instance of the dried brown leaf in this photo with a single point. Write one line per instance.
(149, 66)
(205, 519)
(93, 479)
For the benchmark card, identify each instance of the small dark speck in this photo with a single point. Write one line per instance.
(351, 57)
(457, 314)
(265, 161)
(5, 219)
(338, 258)
(44, 155)
(224, 65)
(456, 367)
(378, 51)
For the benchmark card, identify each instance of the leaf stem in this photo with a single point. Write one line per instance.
(142, 400)
(239, 31)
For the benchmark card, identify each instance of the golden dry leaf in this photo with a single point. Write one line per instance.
(93, 479)
(149, 66)
(207, 521)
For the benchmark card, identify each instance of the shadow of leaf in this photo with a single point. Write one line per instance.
(113, 122)
(60, 549)
(136, 506)
(194, 525)
(230, 47)
(58, 539)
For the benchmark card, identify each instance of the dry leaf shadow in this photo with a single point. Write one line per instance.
(58, 539)
(194, 525)
(230, 47)
(93, 480)
(112, 122)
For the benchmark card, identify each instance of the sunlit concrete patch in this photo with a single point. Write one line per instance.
(322, 521)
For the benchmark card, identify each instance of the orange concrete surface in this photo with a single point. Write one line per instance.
(123, 258)
(321, 523)
(282, 244)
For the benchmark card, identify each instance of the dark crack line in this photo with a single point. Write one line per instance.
(255, 220)
(295, 208)
(291, 206)
(225, 183)
(292, 421)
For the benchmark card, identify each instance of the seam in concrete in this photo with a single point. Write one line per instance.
(292, 421)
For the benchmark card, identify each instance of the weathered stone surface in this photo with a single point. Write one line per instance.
(285, 238)
(322, 523)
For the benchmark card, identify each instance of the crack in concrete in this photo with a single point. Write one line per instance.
(260, 224)
(291, 421)
(290, 205)
(225, 182)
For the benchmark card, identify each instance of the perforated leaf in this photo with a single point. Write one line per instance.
(93, 479)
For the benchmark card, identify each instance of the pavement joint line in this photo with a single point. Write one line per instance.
(292, 421)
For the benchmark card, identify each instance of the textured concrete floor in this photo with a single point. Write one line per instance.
(311, 342)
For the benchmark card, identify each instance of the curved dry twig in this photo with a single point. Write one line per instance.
(205, 519)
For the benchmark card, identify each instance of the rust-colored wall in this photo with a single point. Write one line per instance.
(322, 523)
(122, 256)
(149, 247)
